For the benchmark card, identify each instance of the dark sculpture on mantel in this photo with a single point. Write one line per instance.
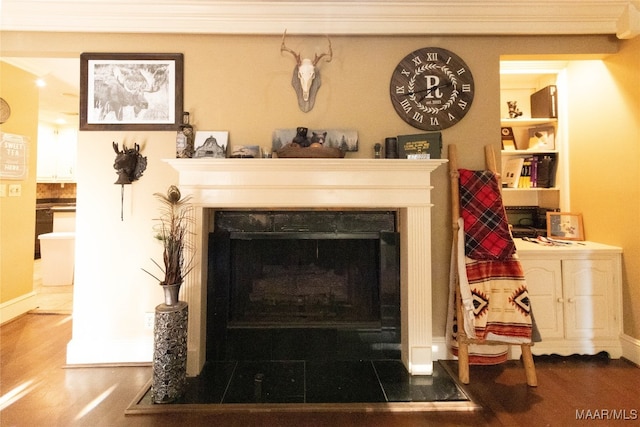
(129, 163)
(304, 146)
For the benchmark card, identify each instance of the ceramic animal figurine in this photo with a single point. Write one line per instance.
(301, 138)
(514, 111)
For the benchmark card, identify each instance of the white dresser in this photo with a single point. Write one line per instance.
(576, 296)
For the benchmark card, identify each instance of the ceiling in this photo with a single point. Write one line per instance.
(397, 17)
(59, 99)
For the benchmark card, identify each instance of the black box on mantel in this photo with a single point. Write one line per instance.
(544, 103)
(420, 146)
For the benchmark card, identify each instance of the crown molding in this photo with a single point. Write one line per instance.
(365, 17)
(629, 21)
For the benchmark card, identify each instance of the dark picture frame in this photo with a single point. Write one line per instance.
(565, 226)
(542, 138)
(508, 139)
(131, 91)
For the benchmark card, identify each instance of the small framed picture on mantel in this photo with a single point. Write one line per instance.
(211, 143)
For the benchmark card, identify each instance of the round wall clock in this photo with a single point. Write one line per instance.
(432, 88)
(5, 111)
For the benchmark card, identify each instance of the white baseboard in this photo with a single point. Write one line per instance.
(140, 351)
(17, 306)
(630, 348)
(441, 352)
(102, 351)
(439, 349)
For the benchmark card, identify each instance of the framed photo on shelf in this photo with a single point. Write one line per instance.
(508, 139)
(565, 226)
(542, 138)
(131, 91)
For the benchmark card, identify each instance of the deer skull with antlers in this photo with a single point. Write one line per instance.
(306, 76)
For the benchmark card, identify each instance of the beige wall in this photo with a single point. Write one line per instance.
(242, 84)
(605, 156)
(17, 214)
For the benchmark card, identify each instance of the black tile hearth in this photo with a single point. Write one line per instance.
(399, 386)
(311, 344)
(343, 382)
(314, 382)
(267, 382)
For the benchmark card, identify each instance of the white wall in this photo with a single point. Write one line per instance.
(112, 293)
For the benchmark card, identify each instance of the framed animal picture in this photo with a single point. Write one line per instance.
(131, 91)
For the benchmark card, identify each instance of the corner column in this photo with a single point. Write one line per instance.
(194, 292)
(415, 296)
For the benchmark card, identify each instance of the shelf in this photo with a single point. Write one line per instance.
(527, 122)
(530, 189)
(527, 152)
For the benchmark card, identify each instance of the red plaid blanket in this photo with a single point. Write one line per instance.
(486, 229)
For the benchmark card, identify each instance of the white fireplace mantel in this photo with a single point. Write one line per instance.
(403, 185)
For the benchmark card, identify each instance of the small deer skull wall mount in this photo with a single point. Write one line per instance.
(306, 75)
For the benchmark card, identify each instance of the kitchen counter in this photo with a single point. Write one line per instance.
(63, 208)
(49, 211)
(50, 203)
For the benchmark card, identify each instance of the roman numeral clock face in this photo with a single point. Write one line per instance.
(432, 89)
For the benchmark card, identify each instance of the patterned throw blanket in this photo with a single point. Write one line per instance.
(495, 301)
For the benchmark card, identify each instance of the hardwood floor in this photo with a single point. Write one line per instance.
(37, 390)
(50, 299)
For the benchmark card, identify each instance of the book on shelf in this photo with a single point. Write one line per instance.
(546, 171)
(534, 172)
(537, 171)
(544, 103)
(511, 172)
(525, 174)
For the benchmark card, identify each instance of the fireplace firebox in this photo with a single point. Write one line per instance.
(280, 279)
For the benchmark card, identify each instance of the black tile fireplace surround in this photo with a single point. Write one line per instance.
(303, 285)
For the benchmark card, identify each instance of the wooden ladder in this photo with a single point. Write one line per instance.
(462, 338)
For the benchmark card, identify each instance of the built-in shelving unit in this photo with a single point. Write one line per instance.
(517, 84)
(574, 288)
